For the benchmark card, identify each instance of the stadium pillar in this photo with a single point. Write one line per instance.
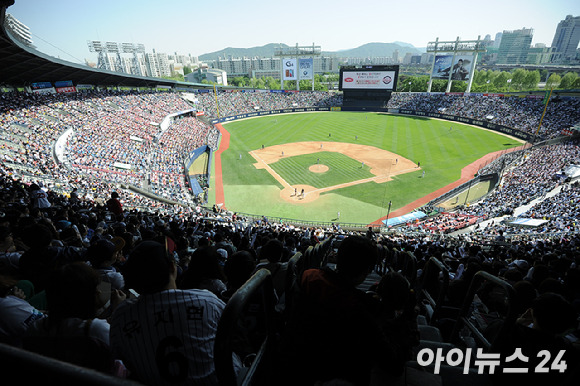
(472, 71)
(432, 68)
(452, 63)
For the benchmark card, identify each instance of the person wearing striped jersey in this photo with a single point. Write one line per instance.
(166, 335)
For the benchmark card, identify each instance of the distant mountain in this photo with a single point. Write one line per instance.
(263, 51)
(369, 50)
(374, 50)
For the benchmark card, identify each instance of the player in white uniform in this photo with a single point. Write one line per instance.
(166, 336)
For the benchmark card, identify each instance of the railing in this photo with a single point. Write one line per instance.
(23, 367)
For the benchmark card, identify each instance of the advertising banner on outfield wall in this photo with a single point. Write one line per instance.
(289, 69)
(305, 69)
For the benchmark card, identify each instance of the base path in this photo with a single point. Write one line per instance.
(467, 174)
(384, 165)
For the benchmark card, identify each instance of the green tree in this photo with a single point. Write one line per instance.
(237, 81)
(568, 80)
(260, 83)
(532, 80)
(553, 81)
(421, 83)
(439, 85)
(518, 78)
(458, 86)
(500, 81)
(187, 70)
(272, 84)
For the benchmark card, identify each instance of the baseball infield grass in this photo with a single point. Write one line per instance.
(442, 148)
(341, 169)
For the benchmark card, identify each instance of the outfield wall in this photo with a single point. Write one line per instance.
(272, 112)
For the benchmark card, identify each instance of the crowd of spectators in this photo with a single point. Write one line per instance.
(117, 138)
(442, 223)
(81, 243)
(233, 103)
(519, 113)
(532, 177)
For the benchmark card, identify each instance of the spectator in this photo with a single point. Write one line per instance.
(334, 332)
(162, 319)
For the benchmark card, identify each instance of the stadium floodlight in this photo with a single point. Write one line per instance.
(96, 46)
(113, 47)
(131, 48)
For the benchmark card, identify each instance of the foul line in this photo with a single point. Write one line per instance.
(270, 170)
(219, 183)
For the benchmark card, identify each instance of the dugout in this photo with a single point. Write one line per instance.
(198, 170)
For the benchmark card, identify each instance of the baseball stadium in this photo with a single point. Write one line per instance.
(164, 232)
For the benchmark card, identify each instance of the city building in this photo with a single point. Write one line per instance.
(514, 46)
(497, 40)
(540, 54)
(212, 75)
(264, 67)
(566, 39)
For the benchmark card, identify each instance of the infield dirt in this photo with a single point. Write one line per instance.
(383, 164)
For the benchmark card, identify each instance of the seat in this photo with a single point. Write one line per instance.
(247, 330)
(82, 351)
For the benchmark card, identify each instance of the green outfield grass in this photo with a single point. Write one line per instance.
(443, 148)
(341, 169)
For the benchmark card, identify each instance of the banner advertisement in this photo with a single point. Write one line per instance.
(67, 89)
(462, 67)
(306, 68)
(40, 85)
(66, 83)
(459, 70)
(289, 69)
(442, 67)
(45, 91)
(382, 80)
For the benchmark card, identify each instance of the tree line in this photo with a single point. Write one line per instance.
(488, 81)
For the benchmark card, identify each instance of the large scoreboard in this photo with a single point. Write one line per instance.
(379, 78)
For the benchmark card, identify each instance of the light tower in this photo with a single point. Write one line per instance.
(101, 49)
(130, 48)
(292, 67)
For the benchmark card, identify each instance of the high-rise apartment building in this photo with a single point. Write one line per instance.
(514, 46)
(566, 39)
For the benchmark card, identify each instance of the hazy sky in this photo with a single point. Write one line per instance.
(61, 28)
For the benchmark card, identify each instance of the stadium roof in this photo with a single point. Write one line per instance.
(21, 65)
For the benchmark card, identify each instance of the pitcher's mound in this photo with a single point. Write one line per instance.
(318, 168)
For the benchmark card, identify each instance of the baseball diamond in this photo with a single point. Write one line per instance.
(368, 160)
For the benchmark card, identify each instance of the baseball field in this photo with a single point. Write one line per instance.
(342, 166)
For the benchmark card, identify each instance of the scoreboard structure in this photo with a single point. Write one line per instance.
(367, 87)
